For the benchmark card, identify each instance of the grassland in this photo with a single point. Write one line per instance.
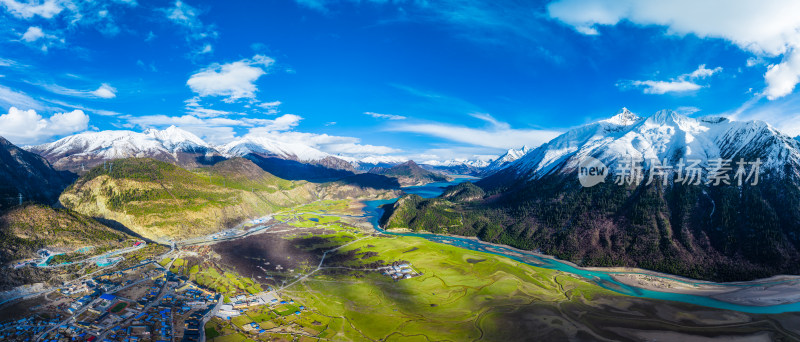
(212, 277)
(461, 295)
(452, 300)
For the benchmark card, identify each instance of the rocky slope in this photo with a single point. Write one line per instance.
(161, 201)
(26, 229)
(22, 172)
(409, 174)
(504, 160)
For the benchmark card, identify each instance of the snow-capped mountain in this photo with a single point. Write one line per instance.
(177, 140)
(85, 150)
(265, 146)
(665, 135)
(509, 157)
(369, 162)
(471, 167)
(457, 162)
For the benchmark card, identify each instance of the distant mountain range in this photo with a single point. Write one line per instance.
(409, 174)
(702, 230)
(81, 152)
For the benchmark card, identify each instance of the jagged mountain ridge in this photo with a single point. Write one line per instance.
(665, 135)
(506, 159)
(83, 151)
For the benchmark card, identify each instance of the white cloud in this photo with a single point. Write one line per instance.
(188, 17)
(222, 130)
(28, 10)
(28, 127)
(687, 110)
(348, 146)
(271, 107)
(32, 34)
(500, 135)
(13, 98)
(663, 87)
(768, 28)
(105, 92)
(680, 84)
(782, 78)
(233, 80)
(702, 72)
(385, 116)
(206, 49)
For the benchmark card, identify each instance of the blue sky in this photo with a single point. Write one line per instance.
(421, 79)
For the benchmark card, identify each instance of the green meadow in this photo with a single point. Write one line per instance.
(461, 295)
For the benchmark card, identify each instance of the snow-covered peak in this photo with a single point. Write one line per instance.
(666, 135)
(83, 150)
(507, 158)
(477, 163)
(173, 137)
(122, 144)
(624, 118)
(267, 146)
(375, 160)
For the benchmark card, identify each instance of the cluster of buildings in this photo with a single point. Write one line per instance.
(160, 306)
(399, 271)
(25, 329)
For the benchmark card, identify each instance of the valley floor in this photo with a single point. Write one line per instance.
(319, 272)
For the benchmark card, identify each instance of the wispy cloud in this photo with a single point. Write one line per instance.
(783, 114)
(770, 29)
(104, 91)
(498, 135)
(28, 10)
(188, 17)
(680, 84)
(13, 98)
(487, 22)
(385, 116)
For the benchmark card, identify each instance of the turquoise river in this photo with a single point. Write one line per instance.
(599, 277)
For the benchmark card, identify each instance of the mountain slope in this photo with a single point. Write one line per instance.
(83, 151)
(22, 172)
(26, 229)
(457, 166)
(161, 201)
(409, 173)
(507, 158)
(725, 232)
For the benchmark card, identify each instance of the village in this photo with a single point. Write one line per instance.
(145, 302)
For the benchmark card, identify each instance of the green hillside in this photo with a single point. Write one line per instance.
(161, 201)
(26, 229)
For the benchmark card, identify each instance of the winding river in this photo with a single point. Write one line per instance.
(602, 278)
